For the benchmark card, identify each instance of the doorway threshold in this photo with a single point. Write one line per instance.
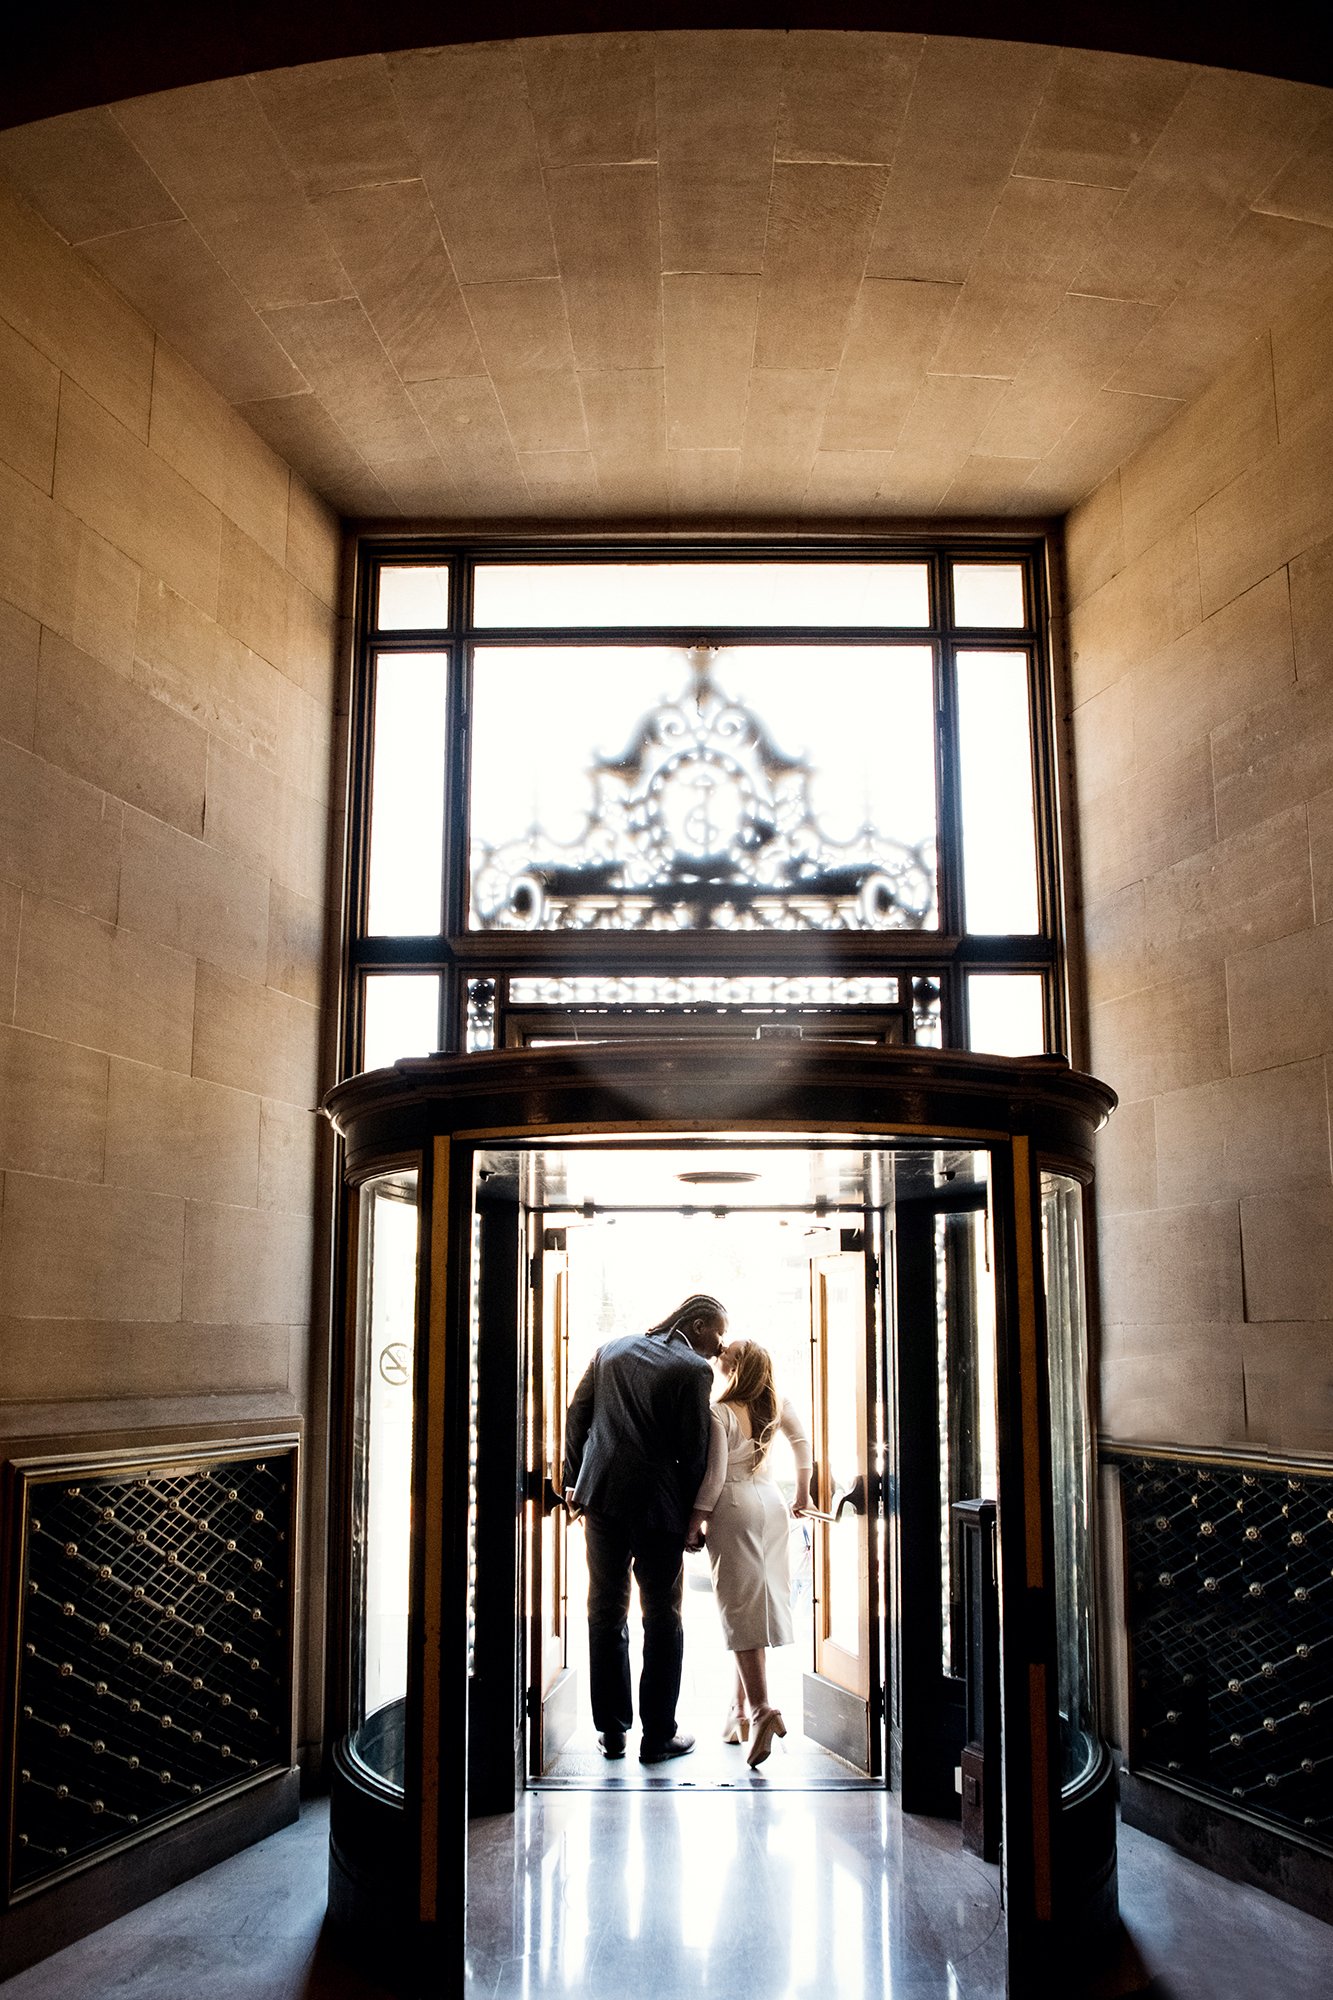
(712, 1767)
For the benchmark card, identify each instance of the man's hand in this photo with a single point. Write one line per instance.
(694, 1534)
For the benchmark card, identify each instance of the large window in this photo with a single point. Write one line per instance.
(733, 792)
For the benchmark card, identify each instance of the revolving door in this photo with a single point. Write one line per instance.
(453, 1668)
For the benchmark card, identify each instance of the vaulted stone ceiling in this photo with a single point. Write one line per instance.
(703, 277)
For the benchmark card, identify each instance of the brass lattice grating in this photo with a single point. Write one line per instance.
(152, 1654)
(1231, 1634)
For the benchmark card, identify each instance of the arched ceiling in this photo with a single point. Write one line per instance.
(703, 277)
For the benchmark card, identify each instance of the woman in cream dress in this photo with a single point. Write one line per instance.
(745, 1522)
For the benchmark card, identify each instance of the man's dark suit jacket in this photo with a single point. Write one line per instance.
(636, 1436)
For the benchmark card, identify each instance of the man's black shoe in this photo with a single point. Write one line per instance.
(611, 1742)
(678, 1745)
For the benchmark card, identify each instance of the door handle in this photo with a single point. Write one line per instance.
(854, 1497)
(537, 1486)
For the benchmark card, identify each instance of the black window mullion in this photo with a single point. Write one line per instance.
(953, 1007)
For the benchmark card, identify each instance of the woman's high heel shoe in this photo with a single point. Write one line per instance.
(768, 1723)
(736, 1728)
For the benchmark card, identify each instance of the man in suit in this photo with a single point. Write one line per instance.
(636, 1445)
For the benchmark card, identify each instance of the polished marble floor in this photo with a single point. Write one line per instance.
(692, 1895)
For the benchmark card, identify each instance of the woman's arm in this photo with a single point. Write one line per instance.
(715, 1473)
(794, 1431)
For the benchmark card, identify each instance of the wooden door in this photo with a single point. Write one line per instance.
(553, 1694)
(840, 1693)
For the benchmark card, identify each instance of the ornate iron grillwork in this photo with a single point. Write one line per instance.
(704, 822)
(1231, 1634)
(153, 1671)
(927, 1017)
(824, 990)
(523, 1010)
(480, 1015)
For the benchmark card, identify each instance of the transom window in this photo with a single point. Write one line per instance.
(644, 791)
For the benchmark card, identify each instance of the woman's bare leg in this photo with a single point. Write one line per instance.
(752, 1676)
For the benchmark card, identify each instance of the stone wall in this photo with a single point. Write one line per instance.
(1200, 630)
(169, 674)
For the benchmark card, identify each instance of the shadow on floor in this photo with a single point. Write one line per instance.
(334, 1974)
(1126, 1976)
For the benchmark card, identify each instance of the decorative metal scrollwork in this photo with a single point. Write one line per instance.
(703, 822)
(480, 1015)
(1231, 1589)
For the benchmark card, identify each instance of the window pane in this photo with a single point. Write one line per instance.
(1005, 1014)
(654, 789)
(988, 594)
(995, 753)
(412, 599)
(407, 795)
(402, 1017)
(863, 594)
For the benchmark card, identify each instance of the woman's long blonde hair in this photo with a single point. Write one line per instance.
(750, 1368)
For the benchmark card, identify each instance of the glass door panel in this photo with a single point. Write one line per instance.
(944, 1452)
(1071, 1469)
(382, 1469)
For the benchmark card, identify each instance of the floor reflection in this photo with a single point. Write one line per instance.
(673, 1893)
(690, 1896)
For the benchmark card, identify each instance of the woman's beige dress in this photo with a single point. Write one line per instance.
(748, 1529)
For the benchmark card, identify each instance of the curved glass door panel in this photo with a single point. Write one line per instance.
(1071, 1463)
(382, 1469)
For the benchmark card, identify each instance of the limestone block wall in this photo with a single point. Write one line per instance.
(169, 680)
(1200, 633)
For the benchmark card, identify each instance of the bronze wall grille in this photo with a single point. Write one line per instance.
(1230, 1612)
(152, 1667)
